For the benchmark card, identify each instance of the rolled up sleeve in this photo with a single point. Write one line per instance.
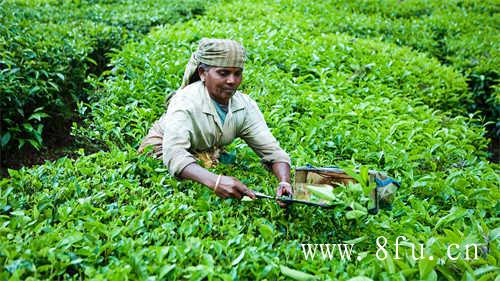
(177, 142)
(258, 136)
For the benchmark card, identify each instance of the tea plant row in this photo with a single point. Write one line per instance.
(329, 98)
(49, 48)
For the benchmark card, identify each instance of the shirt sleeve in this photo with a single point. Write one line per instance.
(177, 141)
(258, 136)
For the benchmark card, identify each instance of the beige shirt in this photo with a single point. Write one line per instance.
(191, 124)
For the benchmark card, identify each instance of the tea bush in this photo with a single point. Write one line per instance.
(49, 49)
(463, 34)
(329, 99)
(115, 214)
(285, 69)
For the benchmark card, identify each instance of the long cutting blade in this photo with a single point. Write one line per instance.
(291, 200)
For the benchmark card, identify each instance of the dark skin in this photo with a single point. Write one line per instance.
(231, 187)
(222, 83)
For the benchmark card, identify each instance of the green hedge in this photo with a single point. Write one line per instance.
(48, 50)
(116, 215)
(282, 71)
(462, 34)
(329, 99)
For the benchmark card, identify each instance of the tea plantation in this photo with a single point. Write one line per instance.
(381, 84)
(49, 48)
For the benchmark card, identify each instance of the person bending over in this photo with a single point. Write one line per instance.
(206, 114)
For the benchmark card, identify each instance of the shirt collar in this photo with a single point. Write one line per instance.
(235, 103)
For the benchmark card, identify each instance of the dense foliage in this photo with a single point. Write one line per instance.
(463, 34)
(48, 48)
(329, 98)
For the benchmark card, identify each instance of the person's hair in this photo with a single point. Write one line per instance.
(196, 77)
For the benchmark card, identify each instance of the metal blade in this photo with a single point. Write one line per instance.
(290, 200)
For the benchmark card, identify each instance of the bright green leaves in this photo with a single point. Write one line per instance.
(355, 214)
(69, 240)
(323, 191)
(329, 96)
(426, 270)
(453, 214)
(48, 51)
(296, 274)
(239, 258)
(266, 230)
(360, 278)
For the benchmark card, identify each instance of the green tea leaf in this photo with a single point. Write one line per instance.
(246, 199)
(355, 214)
(454, 214)
(266, 231)
(38, 116)
(165, 270)
(5, 139)
(295, 274)
(426, 269)
(484, 269)
(238, 259)
(494, 234)
(360, 278)
(323, 191)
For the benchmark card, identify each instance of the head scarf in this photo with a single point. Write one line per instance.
(214, 52)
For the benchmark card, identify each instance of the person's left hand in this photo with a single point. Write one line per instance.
(284, 189)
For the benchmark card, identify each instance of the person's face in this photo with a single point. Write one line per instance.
(222, 82)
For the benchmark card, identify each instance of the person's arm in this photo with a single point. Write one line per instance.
(282, 172)
(258, 136)
(224, 187)
(176, 156)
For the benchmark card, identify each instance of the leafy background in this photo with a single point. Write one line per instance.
(50, 48)
(388, 85)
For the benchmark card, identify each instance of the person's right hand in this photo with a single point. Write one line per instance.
(230, 187)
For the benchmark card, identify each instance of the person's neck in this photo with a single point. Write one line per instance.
(221, 102)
